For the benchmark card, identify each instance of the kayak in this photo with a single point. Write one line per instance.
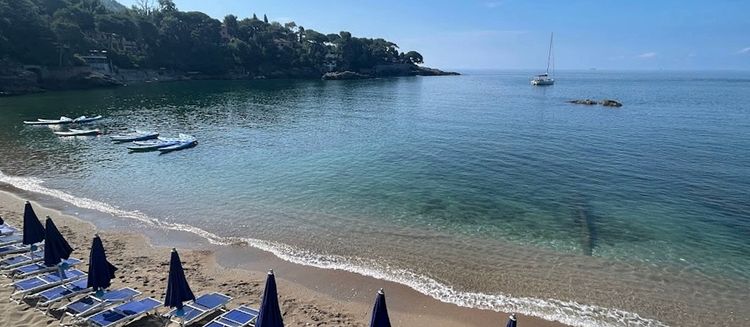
(84, 119)
(152, 145)
(184, 144)
(135, 136)
(40, 121)
(79, 132)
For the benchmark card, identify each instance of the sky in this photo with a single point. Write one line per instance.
(514, 34)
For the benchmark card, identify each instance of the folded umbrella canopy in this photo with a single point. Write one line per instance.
(101, 272)
(56, 248)
(511, 320)
(33, 231)
(380, 312)
(270, 314)
(2, 222)
(178, 290)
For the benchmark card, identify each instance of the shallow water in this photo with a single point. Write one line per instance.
(468, 188)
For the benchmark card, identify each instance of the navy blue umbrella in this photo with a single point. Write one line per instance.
(511, 320)
(178, 290)
(380, 312)
(270, 314)
(101, 272)
(56, 248)
(33, 231)
(2, 222)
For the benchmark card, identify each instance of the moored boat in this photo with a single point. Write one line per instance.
(79, 132)
(40, 121)
(546, 79)
(152, 145)
(135, 136)
(84, 119)
(185, 141)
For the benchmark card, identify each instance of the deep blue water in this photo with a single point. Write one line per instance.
(416, 170)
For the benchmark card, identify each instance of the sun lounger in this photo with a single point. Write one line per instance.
(50, 297)
(203, 306)
(10, 239)
(21, 260)
(7, 230)
(123, 313)
(39, 268)
(91, 304)
(39, 283)
(13, 249)
(238, 317)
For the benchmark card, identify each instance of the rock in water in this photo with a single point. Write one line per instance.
(586, 102)
(611, 103)
(345, 75)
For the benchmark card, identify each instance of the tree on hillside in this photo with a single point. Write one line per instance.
(412, 57)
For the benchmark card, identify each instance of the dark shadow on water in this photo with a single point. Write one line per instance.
(585, 219)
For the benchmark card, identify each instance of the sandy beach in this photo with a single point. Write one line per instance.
(308, 296)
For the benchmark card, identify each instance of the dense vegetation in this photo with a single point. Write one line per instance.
(158, 35)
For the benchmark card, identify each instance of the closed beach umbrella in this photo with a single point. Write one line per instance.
(270, 314)
(2, 222)
(33, 231)
(178, 290)
(56, 248)
(101, 272)
(511, 320)
(380, 312)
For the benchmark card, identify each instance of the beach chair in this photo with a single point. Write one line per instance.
(39, 268)
(13, 249)
(21, 260)
(123, 314)
(91, 304)
(7, 230)
(239, 317)
(52, 296)
(39, 283)
(10, 239)
(202, 307)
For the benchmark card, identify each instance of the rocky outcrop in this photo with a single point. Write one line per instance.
(80, 80)
(611, 103)
(605, 102)
(345, 75)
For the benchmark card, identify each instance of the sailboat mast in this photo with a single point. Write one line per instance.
(549, 53)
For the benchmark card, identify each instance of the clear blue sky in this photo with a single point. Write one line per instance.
(507, 34)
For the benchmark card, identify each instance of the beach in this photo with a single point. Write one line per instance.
(339, 298)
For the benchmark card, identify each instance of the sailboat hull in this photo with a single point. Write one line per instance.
(542, 82)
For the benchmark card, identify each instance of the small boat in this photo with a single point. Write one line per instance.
(546, 79)
(79, 132)
(152, 145)
(40, 121)
(84, 119)
(186, 141)
(135, 136)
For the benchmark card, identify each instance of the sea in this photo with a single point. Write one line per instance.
(479, 190)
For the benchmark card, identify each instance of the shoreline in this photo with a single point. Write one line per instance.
(308, 295)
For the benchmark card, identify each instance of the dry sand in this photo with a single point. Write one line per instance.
(310, 297)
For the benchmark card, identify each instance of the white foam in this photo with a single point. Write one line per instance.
(567, 312)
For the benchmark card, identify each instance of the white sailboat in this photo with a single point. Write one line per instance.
(546, 78)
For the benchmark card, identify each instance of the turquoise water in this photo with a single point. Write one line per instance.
(450, 178)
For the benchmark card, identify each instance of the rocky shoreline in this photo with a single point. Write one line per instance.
(18, 79)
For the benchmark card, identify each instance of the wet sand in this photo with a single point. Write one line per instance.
(308, 296)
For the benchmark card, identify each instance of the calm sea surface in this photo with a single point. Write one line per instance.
(478, 189)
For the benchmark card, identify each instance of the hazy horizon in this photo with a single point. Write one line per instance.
(512, 34)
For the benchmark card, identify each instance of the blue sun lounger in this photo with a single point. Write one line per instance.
(13, 249)
(42, 282)
(91, 304)
(241, 316)
(203, 306)
(52, 296)
(124, 313)
(21, 260)
(10, 239)
(7, 230)
(39, 268)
